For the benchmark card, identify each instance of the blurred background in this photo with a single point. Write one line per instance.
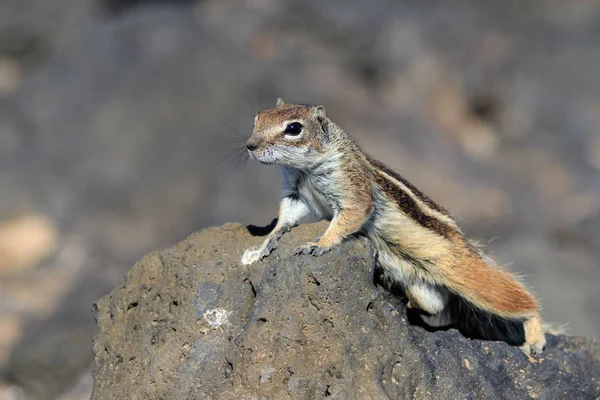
(116, 118)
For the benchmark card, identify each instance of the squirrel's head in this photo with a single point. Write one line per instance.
(289, 134)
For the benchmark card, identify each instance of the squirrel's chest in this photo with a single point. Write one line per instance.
(320, 195)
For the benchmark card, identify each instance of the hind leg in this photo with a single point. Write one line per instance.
(535, 340)
(431, 300)
(439, 320)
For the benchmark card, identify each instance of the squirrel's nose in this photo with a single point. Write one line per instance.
(251, 146)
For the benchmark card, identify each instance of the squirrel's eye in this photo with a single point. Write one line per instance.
(293, 129)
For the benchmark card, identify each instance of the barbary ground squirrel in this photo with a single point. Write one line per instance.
(448, 281)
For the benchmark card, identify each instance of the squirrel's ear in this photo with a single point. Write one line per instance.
(280, 102)
(318, 112)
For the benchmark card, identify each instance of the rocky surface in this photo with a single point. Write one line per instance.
(191, 322)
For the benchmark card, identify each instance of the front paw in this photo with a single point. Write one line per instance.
(253, 255)
(311, 248)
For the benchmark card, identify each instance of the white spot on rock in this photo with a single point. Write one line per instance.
(216, 317)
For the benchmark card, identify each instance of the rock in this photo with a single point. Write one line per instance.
(191, 322)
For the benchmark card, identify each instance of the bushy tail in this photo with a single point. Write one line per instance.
(492, 290)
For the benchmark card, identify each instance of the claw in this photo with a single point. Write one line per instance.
(258, 253)
(533, 349)
(253, 255)
(311, 248)
(272, 244)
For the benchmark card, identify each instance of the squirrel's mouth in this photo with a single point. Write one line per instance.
(264, 157)
(266, 162)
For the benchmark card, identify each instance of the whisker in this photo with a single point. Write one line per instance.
(231, 140)
(235, 131)
(230, 153)
(236, 161)
(241, 161)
